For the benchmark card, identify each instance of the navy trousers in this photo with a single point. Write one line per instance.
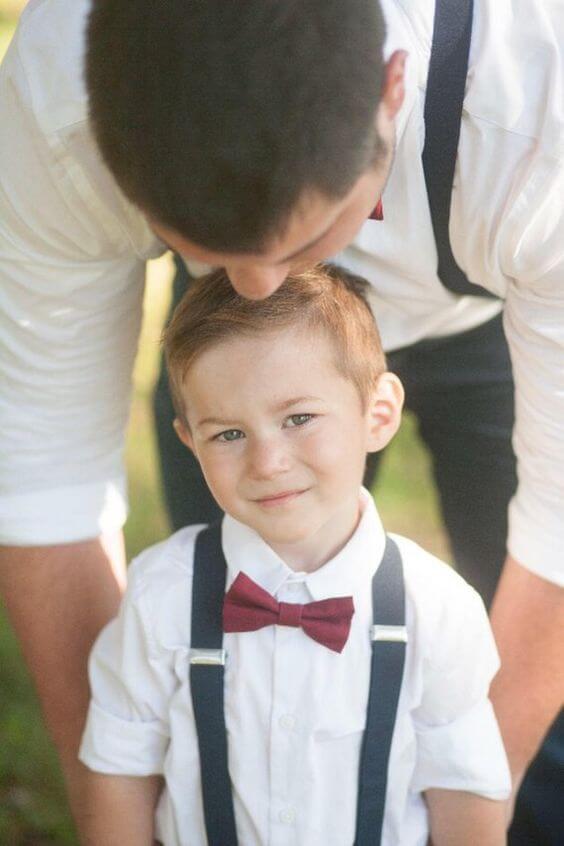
(461, 390)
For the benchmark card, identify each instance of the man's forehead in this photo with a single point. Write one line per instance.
(306, 226)
(270, 254)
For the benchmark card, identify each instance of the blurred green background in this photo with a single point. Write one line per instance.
(32, 804)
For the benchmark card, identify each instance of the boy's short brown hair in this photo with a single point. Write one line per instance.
(325, 298)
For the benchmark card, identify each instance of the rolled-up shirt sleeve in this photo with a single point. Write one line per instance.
(534, 325)
(459, 745)
(127, 730)
(71, 290)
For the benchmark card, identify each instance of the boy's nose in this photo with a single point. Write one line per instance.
(268, 459)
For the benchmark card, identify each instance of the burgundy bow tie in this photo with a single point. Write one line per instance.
(378, 213)
(248, 607)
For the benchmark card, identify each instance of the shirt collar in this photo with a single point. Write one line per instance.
(343, 575)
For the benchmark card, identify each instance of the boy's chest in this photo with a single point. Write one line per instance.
(295, 715)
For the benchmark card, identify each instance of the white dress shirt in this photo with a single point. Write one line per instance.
(72, 254)
(295, 710)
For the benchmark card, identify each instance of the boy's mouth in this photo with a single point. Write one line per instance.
(280, 498)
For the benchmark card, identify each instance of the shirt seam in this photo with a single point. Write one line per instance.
(503, 128)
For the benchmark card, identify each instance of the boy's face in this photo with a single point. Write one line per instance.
(282, 437)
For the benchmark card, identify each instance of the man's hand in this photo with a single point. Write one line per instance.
(528, 621)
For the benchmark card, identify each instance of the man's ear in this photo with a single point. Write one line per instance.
(393, 87)
(183, 433)
(384, 411)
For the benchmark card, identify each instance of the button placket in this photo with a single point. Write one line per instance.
(282, 776)
(287, 722)
(287, 815)
(285, 704)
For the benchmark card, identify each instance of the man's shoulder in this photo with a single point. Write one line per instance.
(516, 69)
(49, 44)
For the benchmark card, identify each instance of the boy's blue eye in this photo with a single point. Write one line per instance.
(299, 419)
(229, 435)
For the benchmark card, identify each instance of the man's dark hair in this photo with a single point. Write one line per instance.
(216, 116)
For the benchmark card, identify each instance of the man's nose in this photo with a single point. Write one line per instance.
(268, 458)
(256, 282)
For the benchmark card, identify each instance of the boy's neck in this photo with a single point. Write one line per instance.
(313, 552)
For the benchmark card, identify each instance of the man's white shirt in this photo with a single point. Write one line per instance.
(295, 710)
(72, 255)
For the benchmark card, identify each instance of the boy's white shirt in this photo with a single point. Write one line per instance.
(295, 711)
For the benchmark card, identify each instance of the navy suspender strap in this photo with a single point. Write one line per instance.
(207, 660)
(446, 82)
(389, 637)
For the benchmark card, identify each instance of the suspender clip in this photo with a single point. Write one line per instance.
(397, 634)
(208, 657)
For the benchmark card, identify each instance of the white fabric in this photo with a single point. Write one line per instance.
(295, 711)
(72, 252)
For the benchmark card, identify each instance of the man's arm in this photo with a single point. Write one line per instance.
(121, 809)
(58, 598)
(528, 610)
(528, 621)
(464, 819)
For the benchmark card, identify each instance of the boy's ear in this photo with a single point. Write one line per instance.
(384, 411)
(183, 433)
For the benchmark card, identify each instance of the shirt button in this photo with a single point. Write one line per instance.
(287, 815)
(287, 721)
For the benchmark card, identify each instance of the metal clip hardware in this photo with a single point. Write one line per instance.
(397, 634)
(208, 657)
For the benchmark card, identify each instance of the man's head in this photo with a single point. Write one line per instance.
(280, 399)
(246, 132)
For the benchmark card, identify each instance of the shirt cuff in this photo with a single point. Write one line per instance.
(536, 545)
(466, 754)
(116, 746)
(63, 515)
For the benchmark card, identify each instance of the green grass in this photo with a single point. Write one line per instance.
(147, 522)
(32, 805)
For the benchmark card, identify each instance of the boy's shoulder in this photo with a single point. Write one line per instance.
(439, 602)
(164, 563)
(428, 575)
(159, 587)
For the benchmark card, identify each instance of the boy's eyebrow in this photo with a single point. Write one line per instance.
(214, 421)
(294, 401)
(218, 421)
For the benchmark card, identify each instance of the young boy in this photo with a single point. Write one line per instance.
(281, 726)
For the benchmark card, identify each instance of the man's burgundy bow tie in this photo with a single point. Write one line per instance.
(248, 607)
(378, 213)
